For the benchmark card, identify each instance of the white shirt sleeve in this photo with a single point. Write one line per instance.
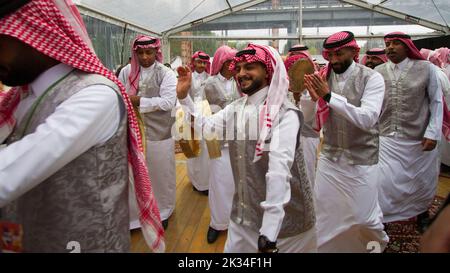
(366, 115)
(278, 190)
(167, 99)
(308, 107)
(434, 89)
(86, 119)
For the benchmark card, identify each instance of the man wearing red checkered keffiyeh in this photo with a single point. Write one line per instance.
(374, 57)
(151, 87)
(345, 179)
(440, 58)
(197, 173)
(74, 137)
(411, 125)
(310, 137)
(273, 199)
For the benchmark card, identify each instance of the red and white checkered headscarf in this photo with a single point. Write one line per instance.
(293, 58)
(42, 25)
(202, 56)
(375, 52)
(278, 87)
(297, 49)
(223, 54)
(338, 41)
(334, 42)
(141, 41)
(439, 57)
(413, 52)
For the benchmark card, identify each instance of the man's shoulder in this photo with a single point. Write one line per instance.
(381, 68)
(91, 79)
(365, 69)
(211, 82)
(288, 105)
(371, 73)
(422, 63)
(239, 101)
(159, 66)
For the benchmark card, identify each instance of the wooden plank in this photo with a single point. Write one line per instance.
(220, 243)
(443, 186)
(188, 222)
(183, 208)
(199, 242)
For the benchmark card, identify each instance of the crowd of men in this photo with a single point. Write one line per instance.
(83, 148)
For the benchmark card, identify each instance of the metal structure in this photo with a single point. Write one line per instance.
(168, 18)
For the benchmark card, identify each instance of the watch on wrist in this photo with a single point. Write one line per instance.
(327, 97)
(266, 246)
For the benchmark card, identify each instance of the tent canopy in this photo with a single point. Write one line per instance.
(170, 16)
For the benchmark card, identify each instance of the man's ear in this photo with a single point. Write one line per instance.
(353, 51)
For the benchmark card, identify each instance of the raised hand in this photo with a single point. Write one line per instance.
(318, 84)
(311, 89)
(184, 81)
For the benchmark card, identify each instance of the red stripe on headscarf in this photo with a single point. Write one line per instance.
(41, 25)
(413, 52)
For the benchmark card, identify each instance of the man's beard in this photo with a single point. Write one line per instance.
(370, 65)
(18, 76)
(255, 86)
(342, 66)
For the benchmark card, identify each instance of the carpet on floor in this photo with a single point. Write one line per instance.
(404, 237)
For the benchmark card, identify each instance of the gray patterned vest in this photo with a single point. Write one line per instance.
(250, 186)
(158, 124)
(307, 129)
(218, 98)
(87, 200)
(360, 147)
(406, 104)
(216, 94)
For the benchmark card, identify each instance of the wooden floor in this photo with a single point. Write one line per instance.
(189, 223)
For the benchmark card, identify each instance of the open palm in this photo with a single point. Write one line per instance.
(184, 81)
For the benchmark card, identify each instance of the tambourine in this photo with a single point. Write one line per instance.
(189, 140)
(297, 74)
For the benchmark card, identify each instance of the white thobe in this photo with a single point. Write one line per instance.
(348, 214)
(221, 181)
(444, 145)
(281, 157)
(309, 144)
(198, 167)
(408, 176)
(160, 155)
(86, 119)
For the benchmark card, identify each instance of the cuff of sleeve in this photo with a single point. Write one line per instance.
(432, 136)
(337, 101)
(187, 104)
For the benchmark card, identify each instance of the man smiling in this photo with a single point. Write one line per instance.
(348, 214)
(272, 205)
